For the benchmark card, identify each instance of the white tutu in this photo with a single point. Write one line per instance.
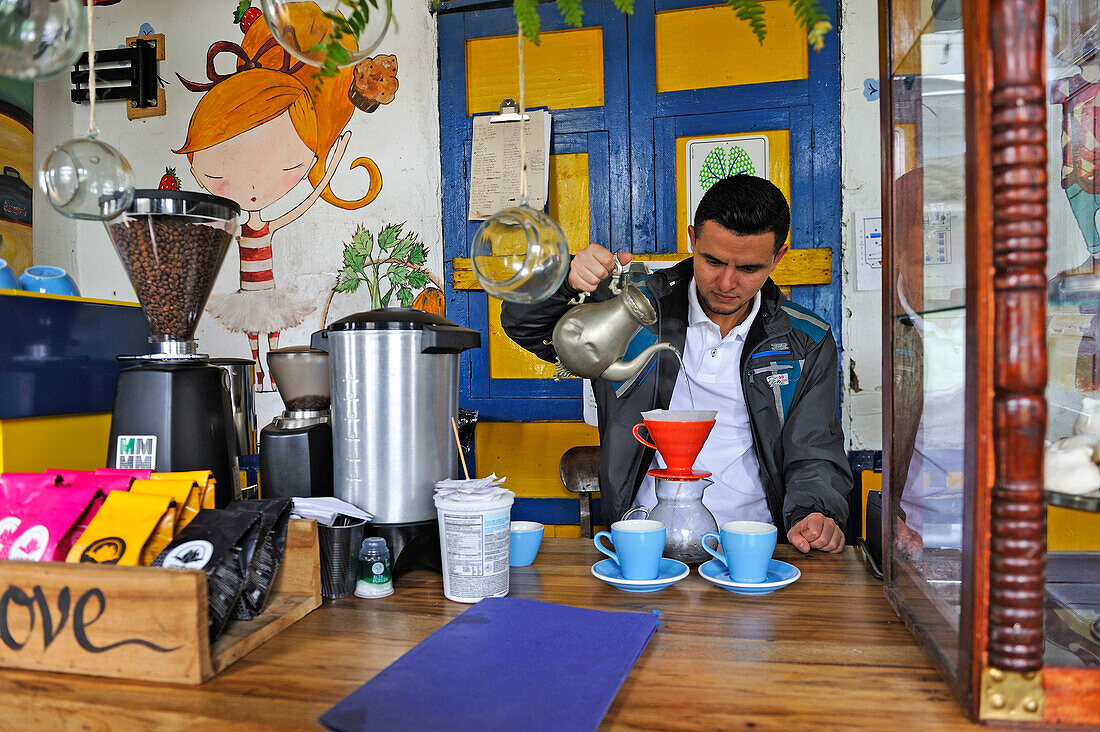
(259, 311)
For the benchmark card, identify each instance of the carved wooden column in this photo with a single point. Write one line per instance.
(1019, 162)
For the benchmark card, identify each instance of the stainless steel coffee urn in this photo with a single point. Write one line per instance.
(394, 379)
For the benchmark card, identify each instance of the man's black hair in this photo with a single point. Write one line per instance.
(746, 205)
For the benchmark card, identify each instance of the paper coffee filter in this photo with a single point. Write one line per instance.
(680, 415)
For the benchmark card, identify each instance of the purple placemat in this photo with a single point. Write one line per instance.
(507, 664)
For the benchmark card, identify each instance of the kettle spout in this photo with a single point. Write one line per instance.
(623, 370)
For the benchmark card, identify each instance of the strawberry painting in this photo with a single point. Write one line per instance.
(169, 181)
(246, 15)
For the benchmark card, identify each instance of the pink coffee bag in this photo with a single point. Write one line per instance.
(48, 526)
(17, 492)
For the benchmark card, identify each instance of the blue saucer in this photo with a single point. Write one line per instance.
(780, 574)
(669, 572)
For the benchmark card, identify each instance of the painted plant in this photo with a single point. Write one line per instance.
(257, 133)
(390, 265)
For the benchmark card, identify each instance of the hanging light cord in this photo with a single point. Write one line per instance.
(92, 131)
(522, 128)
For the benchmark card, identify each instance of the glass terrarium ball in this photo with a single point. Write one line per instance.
(306, 29)
(87, 179)
(40, 38)
(520, 255)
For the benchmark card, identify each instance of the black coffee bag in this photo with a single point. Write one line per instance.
(274, 516)
(221, 543)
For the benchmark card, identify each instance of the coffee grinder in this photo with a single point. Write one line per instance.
(296, 448)
(172, 408)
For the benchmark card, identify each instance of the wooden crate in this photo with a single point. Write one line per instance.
(141, 622)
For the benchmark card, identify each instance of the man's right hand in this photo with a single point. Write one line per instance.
(592, 265)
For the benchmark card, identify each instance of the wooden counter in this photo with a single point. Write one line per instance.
(827, 652)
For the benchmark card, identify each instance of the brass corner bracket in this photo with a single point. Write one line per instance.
(1012, 695)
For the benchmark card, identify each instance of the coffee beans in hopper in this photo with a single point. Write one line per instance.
(172, 261)
(311, 401)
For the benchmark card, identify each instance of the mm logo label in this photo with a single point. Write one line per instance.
(136, 452)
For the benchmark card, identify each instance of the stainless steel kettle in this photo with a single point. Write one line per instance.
(591, 338)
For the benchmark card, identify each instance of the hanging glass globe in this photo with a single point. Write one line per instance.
(307, 32)
(520, 255)
(87, 179)
(40, 38)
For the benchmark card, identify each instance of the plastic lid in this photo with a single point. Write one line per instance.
(375, 543)
(193, 203)
(391, 319)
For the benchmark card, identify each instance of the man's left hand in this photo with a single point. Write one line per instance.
(816, 531)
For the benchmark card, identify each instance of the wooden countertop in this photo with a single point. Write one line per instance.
(826, 652)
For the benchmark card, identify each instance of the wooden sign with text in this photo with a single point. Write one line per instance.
(140, 622)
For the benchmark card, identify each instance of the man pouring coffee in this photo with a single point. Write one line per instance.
(768, 366)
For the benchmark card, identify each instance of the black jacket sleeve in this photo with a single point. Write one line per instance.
(815, 466)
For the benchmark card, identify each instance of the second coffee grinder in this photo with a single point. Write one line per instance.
(296, 448)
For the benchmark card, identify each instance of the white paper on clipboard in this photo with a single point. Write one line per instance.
(495, 164)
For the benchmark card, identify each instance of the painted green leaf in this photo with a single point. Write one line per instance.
(242, 6)
(418, 279)
(398, 274)
(349, 281)
(388, 236)
(405, 296)
(402, 248)
(363, 241)
(418, 254)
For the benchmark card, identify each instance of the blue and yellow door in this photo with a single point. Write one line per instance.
(635, 100)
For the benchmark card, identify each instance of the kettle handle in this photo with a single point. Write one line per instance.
(615, 284)
(319, 341)
(639, 437)
(629, 511)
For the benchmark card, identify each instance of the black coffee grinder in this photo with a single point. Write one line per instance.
(172, 408)
(296, 448)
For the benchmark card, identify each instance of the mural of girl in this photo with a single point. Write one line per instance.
(253, 137)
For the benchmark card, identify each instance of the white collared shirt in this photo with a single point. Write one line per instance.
(713, 365)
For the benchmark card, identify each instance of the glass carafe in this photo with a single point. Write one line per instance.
(680, 508)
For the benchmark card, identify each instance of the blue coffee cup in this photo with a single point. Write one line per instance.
(525, 538)
(747, 548)
(49, 280)
(638, 544)
(7, 277)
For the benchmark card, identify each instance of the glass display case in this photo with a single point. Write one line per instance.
(991, 347)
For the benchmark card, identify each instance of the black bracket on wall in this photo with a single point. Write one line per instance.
(128, 74)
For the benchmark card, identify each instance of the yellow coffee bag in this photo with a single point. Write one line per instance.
(121, 529)
(185, 492)
(204, 479)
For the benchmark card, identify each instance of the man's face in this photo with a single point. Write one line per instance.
(730, 269)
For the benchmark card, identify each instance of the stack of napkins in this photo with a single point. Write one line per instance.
(325, 510)
(473, 490)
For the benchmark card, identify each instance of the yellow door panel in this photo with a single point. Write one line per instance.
(699, 48)
(568, 200)
(565, 71)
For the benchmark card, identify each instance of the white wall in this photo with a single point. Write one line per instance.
(860, 191)
(401, 137)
